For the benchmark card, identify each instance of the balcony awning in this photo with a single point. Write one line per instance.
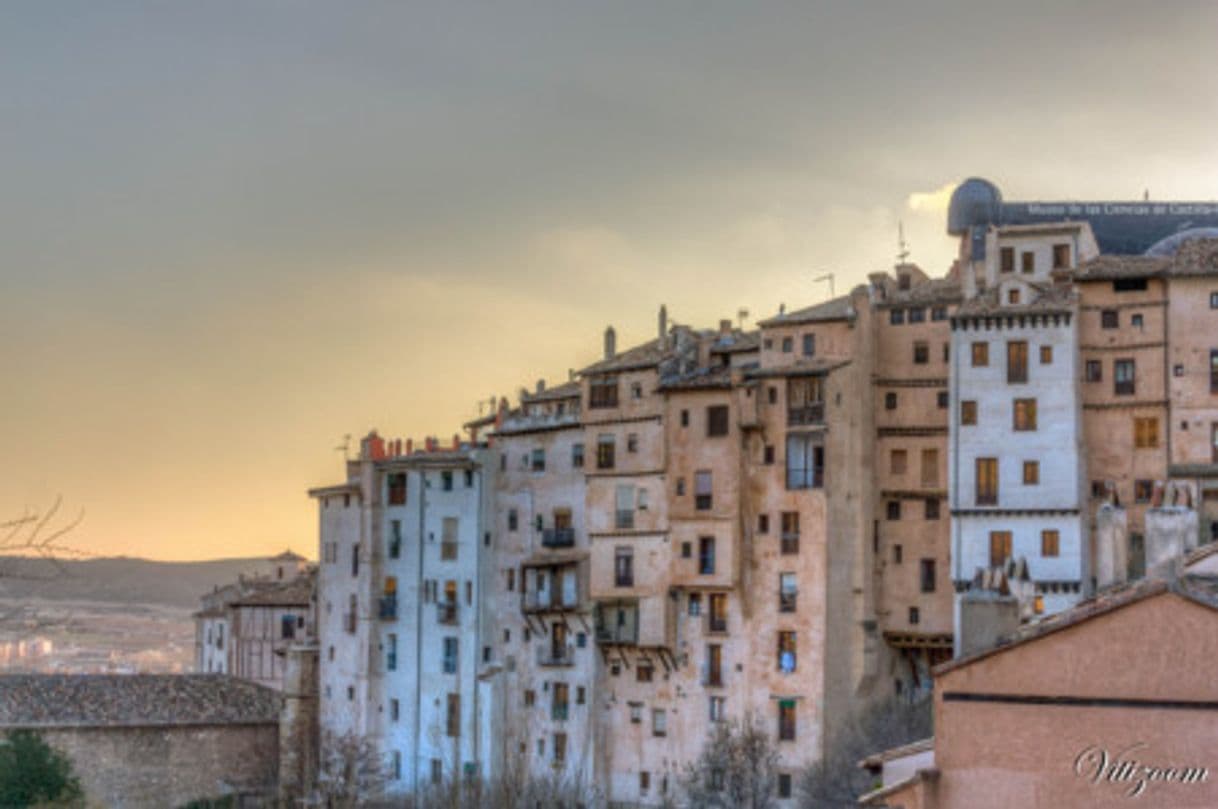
(554, 558)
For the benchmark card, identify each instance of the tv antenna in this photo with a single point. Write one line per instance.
(826, 277)
(742, 314)
(902, 247)
(345, 447)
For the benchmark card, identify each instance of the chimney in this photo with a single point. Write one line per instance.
(456, 441)
(372, 447)
(1111, 546)
(610, 343)
(1171, 532)
(541, 385)
(409, 446)
(986, 618)
(663, 324)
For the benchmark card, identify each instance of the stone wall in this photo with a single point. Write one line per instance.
(134, 767)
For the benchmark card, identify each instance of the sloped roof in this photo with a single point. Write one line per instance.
(835, 309)
(804, 366)
(937, 291)
(739, 342)
(1197, 588)
(133, 700)
(297, 592)
(567, 390)
(1198, 257)
(647, 355)
(699, 379)
(1047, 299)
(1111, 268)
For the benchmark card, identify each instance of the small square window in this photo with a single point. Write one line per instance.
(915, 616)
(1110, 319)
(890, 401)
(788, 345)
(763, 523)
(1136, 321)
(981, 355)
(896, 317)
(942, 399)
(768, 455)
(1046, 355)
(968, 412)
(894, 509)
(1050, 543)
(932, 508)
(1031, 473)
(687, 550)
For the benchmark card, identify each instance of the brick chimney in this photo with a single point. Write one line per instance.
(610, 343)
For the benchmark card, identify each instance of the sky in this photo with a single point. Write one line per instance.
(232, 233)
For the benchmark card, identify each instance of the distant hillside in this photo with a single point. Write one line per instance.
(120, 579)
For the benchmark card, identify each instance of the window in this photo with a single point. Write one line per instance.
(577, 455)
(623, 515)
(450, 655)
(530, 697)
(1050, 543)
(636, 390)
(605, 446)
(1000, 548)
(788, 592)
(602, 391)
(890, 401)
(1012, 296)
(767, 455)
(809, 345)
(680, 487)
(437, 771)
(684, 418)
(448, 539)
(560, 748)
(930, 468)
(1095, 371)
(714, 665)
(644, 781)
(453, 718)
(896, 317)
(897, 554)
(942, 399)
(896, 461)
(632, 442)
(894, 509)
(1007, 259)
(968, 412)
(790, 532)
(1031, 473)
(931, 508)
(784, 785)
(716, 420)
(644, 672)
(695, 604)
(1110, 319)
(1143, 490)
(1214, 370)
(538, 460)
(917, 315)
(1145, 433)
(915, 615)
(1027, 262)
(1214, 300)
(395, 539)
(717, 615)
(396, 484)
(921, 353)
(1136, 321)
(513, 519)
(938, 313)
(355, 560)
(805, 404)
(397, 765)
(786, 720)
(987, 481)
(1046, 355)
(287, 627)
(1214, 442)
(981, 355)
(703, 487)
(1129, 285)
(623, 567)
(786, 651)
(926, 569)
(1123, 377)
(706, 556)
(1024, 414)
(687, 550)
(446, 480)
(395, 709)
(763, 523)
(717, 706)
(659, 722)
(805, 461)
(1017, 361)
(1061, 256)
(788, 345)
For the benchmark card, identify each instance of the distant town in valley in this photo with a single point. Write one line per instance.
(849, 550)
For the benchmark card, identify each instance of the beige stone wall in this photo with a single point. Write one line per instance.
(1193, 334)
(157, 767)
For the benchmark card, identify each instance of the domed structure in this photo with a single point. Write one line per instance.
(974, 202)
(1169, 245)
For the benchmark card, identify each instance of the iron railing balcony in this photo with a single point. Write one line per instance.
(548, 656)
(813, 413)
(558, 537)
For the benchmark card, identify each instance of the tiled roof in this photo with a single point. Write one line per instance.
(126, 700)
(1045, 300)
(699, 379)
(939, 291)
(1197, 257)
(567, 390)
(297, 592)
(804, 366)
(1110, 268)
(835, 309)
(647, 355)
(288, 556)
(1200, 589)
(739, 342)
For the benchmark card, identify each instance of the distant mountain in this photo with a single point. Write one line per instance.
(121, 580)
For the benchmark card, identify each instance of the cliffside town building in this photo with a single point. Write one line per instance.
(777, 523)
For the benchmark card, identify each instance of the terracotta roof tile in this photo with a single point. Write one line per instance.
(836, 309)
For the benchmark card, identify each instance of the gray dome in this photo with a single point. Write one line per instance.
(974, 202)
(1169, 245)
